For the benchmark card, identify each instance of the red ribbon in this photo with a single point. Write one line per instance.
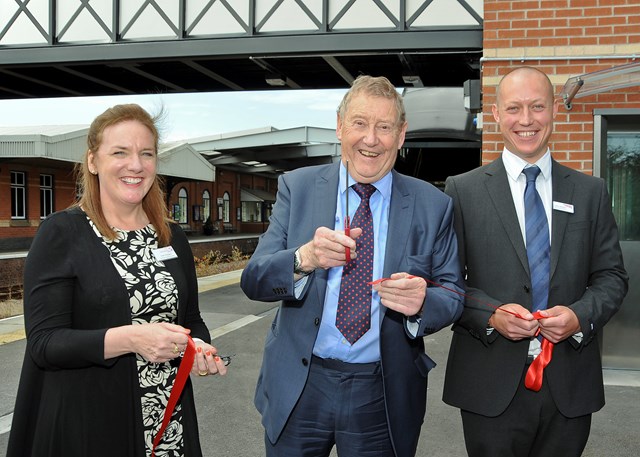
(347, 231)
(533, 378)
(176, 391)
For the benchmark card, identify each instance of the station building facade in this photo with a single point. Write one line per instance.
(37, 177)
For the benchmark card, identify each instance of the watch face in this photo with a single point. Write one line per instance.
(296, 265)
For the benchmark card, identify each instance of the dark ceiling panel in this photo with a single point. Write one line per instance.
(311, 61)
(174, 76)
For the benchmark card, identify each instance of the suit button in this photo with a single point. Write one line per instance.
(526, 288)
(316, 321)
(305, 362)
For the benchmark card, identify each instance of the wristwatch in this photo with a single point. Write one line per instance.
(297, 265)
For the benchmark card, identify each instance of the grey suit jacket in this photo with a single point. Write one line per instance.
(421, 242)
(587, 275)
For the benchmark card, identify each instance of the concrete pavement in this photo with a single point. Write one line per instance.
(230, 426)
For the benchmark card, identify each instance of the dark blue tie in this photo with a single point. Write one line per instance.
(538, 248)
(353, 317)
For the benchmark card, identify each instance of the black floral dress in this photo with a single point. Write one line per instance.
(153, 297)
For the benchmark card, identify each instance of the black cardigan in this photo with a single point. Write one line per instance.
(71, 401)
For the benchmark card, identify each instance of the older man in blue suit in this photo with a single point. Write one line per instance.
(322, 384)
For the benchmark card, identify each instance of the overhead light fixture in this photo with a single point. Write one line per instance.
(276, 80)
(410, 78)
(254, 163)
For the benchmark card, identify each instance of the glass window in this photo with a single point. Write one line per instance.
(18, 195)
(251, 212)
(206, 205)
(46, 195)
(226, 205)
(182, 203)
(623, 173)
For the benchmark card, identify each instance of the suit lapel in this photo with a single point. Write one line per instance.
(400, 217)
(324, 213)
(500, 195)
(563, 189)
(400, 220)
(326, 194)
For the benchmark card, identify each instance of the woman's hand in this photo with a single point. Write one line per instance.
(207, 360)
(158, 343)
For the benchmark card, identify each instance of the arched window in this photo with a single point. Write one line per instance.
(226, 202)
(206, 205)
(183, 204)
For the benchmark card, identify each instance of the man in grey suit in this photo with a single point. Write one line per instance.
(584, 285)
(319, 387)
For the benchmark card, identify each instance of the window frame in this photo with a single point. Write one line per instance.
(46, 196)
(18, 190)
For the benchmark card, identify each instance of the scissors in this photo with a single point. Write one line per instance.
(226, 359)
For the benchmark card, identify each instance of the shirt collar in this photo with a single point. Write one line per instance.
(383, 185)
(514, 165)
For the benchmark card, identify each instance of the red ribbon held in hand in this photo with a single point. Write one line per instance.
(176, 391)
(347, 223)
(533, 378)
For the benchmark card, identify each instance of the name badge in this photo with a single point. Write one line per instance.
(165, 253)
(565, 207)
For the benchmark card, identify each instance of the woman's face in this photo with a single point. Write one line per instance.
(125, 163)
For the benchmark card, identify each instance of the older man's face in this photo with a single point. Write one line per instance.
(370, 137)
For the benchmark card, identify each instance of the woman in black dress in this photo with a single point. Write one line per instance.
(110, 302)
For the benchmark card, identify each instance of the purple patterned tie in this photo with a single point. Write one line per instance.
(353, 317)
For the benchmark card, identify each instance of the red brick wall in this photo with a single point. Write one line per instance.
(194, 197)
(564, 38)
(250, 181)
(63, 194)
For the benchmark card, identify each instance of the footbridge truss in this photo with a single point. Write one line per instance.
(63, 48)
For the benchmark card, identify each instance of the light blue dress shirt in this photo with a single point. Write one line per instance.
(330, 343)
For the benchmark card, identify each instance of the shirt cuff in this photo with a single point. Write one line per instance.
(298, 287)
(412, 325)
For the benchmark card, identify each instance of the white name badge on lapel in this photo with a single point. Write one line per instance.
(165, 253)
(565, 207)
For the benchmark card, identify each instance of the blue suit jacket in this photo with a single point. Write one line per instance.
(421, 242)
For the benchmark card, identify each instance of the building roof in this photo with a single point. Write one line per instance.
(269, 151)
(47, 130)
(68, 143)
(182, 161)
(256, 195)
(56, 142)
